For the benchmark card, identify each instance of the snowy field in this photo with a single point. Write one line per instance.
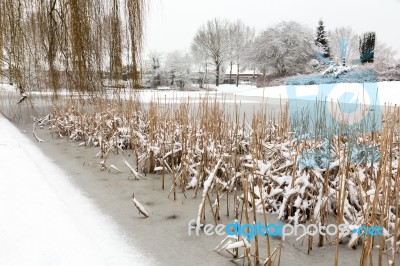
(45, 220)
(388, 92)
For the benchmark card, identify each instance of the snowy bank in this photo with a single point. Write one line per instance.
(45, 219)
(389, 92)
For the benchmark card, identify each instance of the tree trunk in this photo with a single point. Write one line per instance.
(237, 76)
(217, 73)
(205, 77)
(230, 73)
(200, 79)
(264, 73)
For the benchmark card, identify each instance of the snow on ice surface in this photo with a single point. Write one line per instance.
(388, 91)
(194, 96)
(45, 220)
(7, 87)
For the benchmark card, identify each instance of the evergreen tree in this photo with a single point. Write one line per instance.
(367, 47)
(322, 40)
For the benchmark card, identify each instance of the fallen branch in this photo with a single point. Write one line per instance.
(139, 206)
(37, 138)
(23, 97)
(134, 172)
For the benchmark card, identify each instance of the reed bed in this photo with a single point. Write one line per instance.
(253, 164)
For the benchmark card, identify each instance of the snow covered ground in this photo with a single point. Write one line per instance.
(45, 220)
(388, 92)
(7, 87)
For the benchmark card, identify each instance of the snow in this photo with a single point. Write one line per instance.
(233, 89)
(388, 91)
(238, 244)
(45, 220)
(7, 87)
(140, 207)
(195, 96)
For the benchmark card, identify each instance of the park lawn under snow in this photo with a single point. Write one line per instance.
(388, 92)
(45, 220)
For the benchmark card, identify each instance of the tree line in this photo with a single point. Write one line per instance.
(287, 48)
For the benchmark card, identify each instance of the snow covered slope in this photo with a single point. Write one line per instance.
(45, 220)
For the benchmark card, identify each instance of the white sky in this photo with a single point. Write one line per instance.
(172, 24)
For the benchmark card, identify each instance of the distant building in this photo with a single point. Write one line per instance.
(245, 76)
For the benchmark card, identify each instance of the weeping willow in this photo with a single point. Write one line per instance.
(115, 49)
(70, 44)
(135, 22)
(1, 39)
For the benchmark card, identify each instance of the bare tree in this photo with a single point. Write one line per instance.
(178, 66)
(201, 61)
(385, 52)
(231, 57)
(154, 59)
(212, 40)
(384, 57)
(344, 45)
(243, 36)
(154, 68)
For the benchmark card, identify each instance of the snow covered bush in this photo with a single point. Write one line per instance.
(285, 48)
(336, 70)
(354, 76)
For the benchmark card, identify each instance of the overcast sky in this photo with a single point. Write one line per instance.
(172, 24)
